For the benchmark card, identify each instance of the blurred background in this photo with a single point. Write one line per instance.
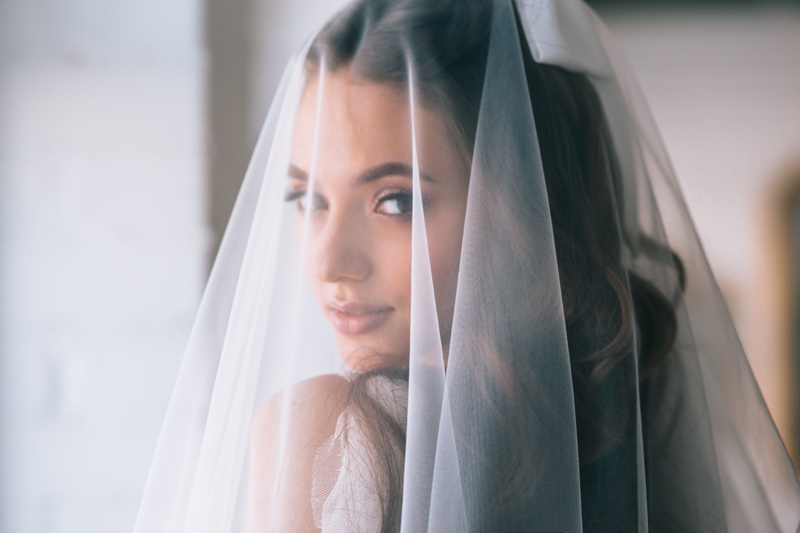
(126, 126)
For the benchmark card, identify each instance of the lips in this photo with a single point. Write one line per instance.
(355, 318)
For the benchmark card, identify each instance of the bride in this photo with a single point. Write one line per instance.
(460, 291)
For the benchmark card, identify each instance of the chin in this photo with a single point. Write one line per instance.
(365, 357)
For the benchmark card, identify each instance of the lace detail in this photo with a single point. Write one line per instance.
(343, 496)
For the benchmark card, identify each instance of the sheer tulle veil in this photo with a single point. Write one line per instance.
(460, 291)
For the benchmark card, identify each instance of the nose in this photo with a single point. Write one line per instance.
(340, 250)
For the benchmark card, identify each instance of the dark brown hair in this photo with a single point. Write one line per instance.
(612, 315)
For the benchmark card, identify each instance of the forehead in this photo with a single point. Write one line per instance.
(356, 124)
(352, 119)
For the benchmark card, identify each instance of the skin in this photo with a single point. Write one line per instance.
(358, 246)
(280, 498)
(359, 230)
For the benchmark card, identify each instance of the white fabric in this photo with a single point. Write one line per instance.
(564, 33)
(344, 498)
(461, 291)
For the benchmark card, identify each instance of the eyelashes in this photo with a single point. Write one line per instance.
(292, 195)
(395, 203)
(392, 202)
(299, 196)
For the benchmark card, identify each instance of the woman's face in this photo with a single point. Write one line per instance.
(358, 249)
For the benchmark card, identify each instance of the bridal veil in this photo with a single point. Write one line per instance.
(461, 291)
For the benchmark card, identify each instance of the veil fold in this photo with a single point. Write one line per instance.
(460, 290)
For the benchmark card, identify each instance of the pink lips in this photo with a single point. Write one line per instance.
(353, 318)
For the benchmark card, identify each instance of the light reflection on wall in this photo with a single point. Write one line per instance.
(102, 243)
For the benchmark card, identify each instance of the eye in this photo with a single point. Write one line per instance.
(300, 196)
(395, 204)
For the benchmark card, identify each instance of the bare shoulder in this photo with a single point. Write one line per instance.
(287, 431)
(327, 388)
(310, 409)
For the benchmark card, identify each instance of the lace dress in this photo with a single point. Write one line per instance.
(344, 497)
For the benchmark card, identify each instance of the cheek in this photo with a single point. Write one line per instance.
(307, 243)
(392, 267)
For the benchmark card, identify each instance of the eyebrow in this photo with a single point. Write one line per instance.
(371, 174)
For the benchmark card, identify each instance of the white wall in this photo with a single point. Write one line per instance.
(102, 244)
